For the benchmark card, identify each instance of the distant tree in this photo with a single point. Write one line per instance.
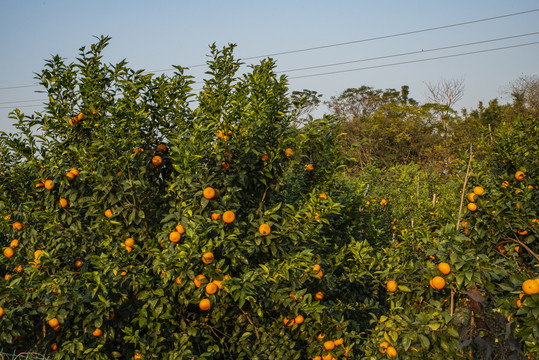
(303, 103)
(385, 127)
(524, 92)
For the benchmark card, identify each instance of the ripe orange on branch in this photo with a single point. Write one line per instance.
(228, 217)
(444, 268)
(207, 258)
(157, 160)
(209, 193)
(391, 286)
(437, 283)
(264, 229)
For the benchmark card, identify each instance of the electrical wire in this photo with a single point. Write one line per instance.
(422, 51)
(338, 44)
(415, 61)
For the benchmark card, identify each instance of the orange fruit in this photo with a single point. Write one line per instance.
(8, 252)
(471, 197)
(218, 283)
(54, 347)
(444, 268)
(80, 116)
(309, 167)
(74, 171)
(328, 356)
(299, 319)
(323, 196)
(391, 286)
(57, 328)
(289, 322)
(505, 184)
(319, 296)
(220, 134)
(180, 229)
(78, 263)
(63, 202)
(319, 274)
(129, 249)
(522, 232)
(198, 280)
(174, 236)
(97, 332)
(14, 243)
(347, 352)
(211, 288)
(209, 193)
(157, 160)
(321, 336)
(49, 185)
(37, 254)
(264, 157)
(17, 226)
(384, 345)
(108, 213)
(317, 358)
(53, 322)
(289, 152)
(162, 147)
(519, 303)
(519, 175)
(137, 356)
(70, 176)
(7, 276)
(391, 352)
(207, 258)
(179, 280)
(329, 345)
(228, 217)
(129, 242)
(383, 202)
(215, 216)
(204, 304)
(437, 283)
(339, 341)
(472, 207)
(530, 287)
(316, 268)
(478, 190)
(264, 229)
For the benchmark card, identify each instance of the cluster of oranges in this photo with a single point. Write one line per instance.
(477, 191)
(436, 283)
(211, 286)
(330, 345)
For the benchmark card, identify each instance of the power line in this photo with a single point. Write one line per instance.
(19, 101)
(374, 38)
(414, 61)
(406, 53)
(377, 66)
(338, 44)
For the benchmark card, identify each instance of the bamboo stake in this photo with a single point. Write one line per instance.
(464, 187)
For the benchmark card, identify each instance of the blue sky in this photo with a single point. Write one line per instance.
(154, 35)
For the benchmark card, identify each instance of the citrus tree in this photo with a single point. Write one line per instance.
(463, 282)
(142, 221)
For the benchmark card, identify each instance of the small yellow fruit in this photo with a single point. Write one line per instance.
(444, 268)
(129, 242)
(530, 287)
(391, 286)
(478, 190)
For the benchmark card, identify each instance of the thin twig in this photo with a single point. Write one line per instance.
(251, 321)
(530, 251)
(261, 201)
(464, 187)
